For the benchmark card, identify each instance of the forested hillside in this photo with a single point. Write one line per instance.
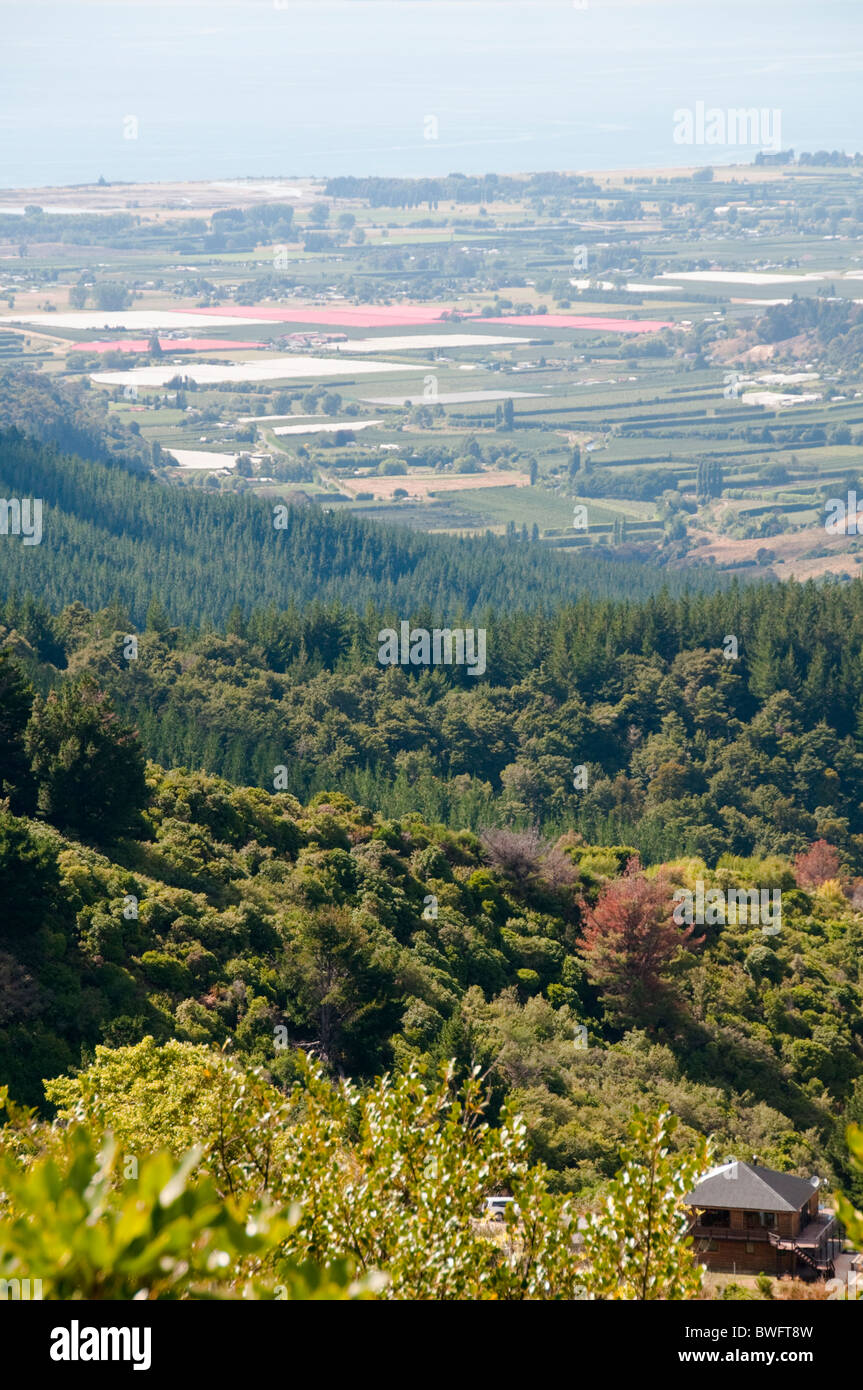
(111, 535)
(143, 903)
(71, 417)
(681, 750)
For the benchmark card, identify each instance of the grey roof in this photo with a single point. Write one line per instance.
(747, 1187)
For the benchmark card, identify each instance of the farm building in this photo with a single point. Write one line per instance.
(750, 1219)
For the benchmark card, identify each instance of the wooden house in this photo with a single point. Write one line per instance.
(751, 1220)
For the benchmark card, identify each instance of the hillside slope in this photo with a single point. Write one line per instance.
(244, 919)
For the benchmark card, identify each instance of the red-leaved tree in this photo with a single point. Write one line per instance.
(628, 946)
(816, 864)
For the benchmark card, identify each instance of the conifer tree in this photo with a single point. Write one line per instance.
(88, 766)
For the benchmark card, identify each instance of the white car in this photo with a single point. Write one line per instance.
(495, 1207)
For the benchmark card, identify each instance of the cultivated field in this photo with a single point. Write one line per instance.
(591, 349)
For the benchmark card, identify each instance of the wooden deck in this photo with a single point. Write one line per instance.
(812, 1235)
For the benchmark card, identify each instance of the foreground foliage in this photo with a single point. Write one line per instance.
(390, 1178)
(88, 1223)
(330, 1191)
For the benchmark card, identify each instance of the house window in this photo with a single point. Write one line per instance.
(765, 1219)
(715, 1217)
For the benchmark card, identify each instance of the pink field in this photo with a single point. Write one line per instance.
(166, 344)
(591, 321)
(415, 315)
(349, 316)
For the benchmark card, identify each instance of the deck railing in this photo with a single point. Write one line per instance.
(758, 1233)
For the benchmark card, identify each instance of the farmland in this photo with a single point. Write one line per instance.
(676, 354)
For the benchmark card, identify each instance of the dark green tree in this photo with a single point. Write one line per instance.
(157, 618)
(29, 882)
(88, 766)
(16, 700)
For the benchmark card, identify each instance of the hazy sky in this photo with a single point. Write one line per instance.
(169, 89)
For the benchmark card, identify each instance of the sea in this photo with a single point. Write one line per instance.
(176, 90)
